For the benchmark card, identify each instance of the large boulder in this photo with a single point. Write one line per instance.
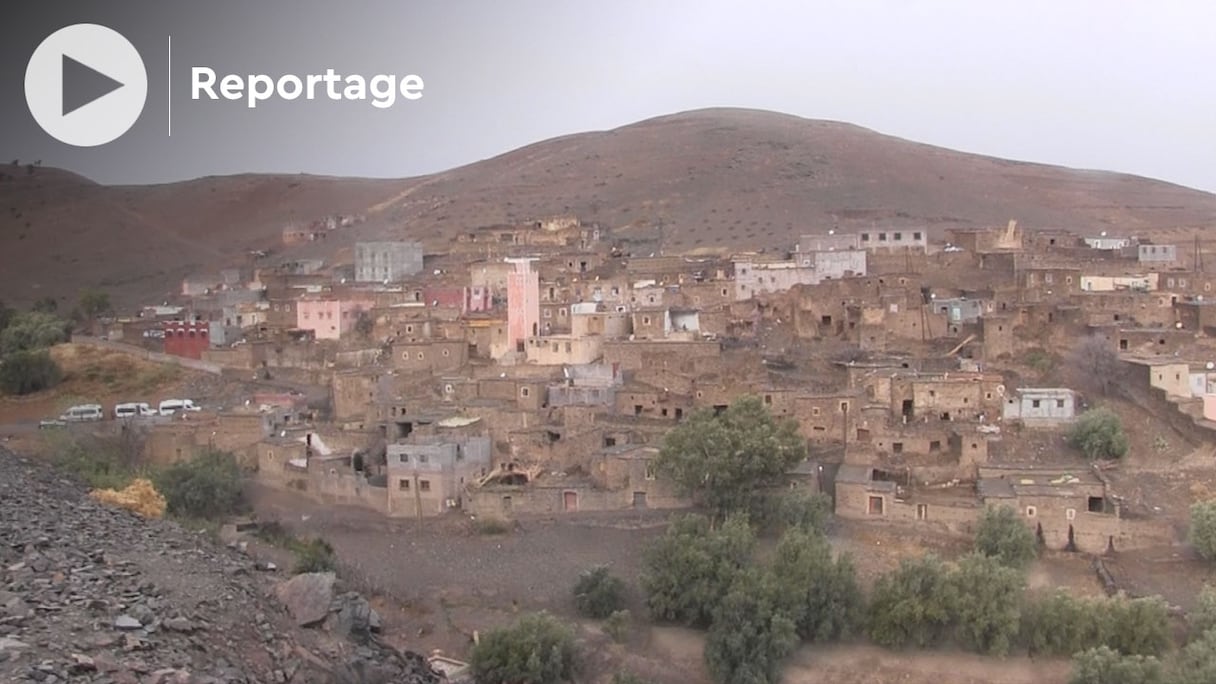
(352, 615)
(308, 597)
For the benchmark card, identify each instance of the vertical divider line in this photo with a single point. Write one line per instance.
(169, 96)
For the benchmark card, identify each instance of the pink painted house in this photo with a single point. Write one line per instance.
(330, 319)
(523, 303)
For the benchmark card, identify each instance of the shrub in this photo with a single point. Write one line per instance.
(1203, 617)
(912, 605)
(1061, 624)
(688, 570)
(102, 462)
(988, 613)
(314, 555)
(786, 511)
(1002, 535)
(1196, 663)
(752, 631)
(1202, 533)
(537, 649)
(598, 594)
(1099, 434)
(206, 486)
(491, 526)
(823, 597)
(1104, 665)
(26, 372)
(32, 331)
(618, 625)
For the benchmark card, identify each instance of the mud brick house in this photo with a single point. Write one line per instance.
(946, 396)
(621, 478)
(427, 475)
(438, 356)
(1069, 509)
(753, 278)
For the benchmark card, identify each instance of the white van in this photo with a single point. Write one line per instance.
(169, 407)
(134, 409)
(83, 413)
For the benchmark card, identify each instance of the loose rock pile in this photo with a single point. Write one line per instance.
(91, 593)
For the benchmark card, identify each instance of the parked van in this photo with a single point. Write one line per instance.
(135, 409)
(83, 413)
(169, 407)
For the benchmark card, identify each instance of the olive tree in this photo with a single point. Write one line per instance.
(1002, 535)
(725, 460)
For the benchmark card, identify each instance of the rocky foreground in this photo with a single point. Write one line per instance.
(91, 593)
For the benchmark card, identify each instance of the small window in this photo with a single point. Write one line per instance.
(650, 470)
(1059, 403)
(1070, 514)
(1031, 511)
(421, 356)
(403, 485)
(424, 485)
(524, 391)
(916, 236)
(1034, 403)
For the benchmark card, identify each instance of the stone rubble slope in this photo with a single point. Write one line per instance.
(93, 593)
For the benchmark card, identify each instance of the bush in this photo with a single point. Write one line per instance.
(1202, 533)
(988, 613)
(1099, 434)
(537, 649)
(1061, 624)
(1002, 535)
(688, 570)
(32, 331)
(752, 631)
(822, 593)
(618, 625)
(1203, 617)
(597, 594)
(912, 605)
(208, 486)
(790, 510)
(109, 462)
(1196, 663)
(1104, 665)
(491, 526)
(314, 555)
(26, 372)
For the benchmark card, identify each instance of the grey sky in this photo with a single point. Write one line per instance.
(1124, 86)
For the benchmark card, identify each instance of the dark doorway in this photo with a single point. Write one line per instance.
(1072, 540)
(908, 408)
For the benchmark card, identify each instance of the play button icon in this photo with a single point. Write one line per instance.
(86, 85)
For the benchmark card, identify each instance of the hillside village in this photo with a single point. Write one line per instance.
(535, 368)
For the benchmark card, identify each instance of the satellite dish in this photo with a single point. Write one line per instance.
(1210, 365)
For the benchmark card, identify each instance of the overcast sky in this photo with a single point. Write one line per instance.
(1125, 86)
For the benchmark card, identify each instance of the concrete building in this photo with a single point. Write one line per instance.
(391, 262)
(1041, 406)
(1157, 254)
(523, 304)
(1104, 243)
(330, 319)
(895, 239)
(828, 242)
(427, 475)
(187, 339)
(759, 277)
(959, 310)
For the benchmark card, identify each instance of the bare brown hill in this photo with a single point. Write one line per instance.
(716, 178)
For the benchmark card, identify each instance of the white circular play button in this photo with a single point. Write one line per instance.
(86, 85)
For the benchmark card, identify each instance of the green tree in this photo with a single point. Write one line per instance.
(1196, 663)
(1103, 665)
(912, 605)
(1202, 533)
(597, 593)
(1061, 624)
(207, 486)
(1203, 617)
(31, 331)
(1099, 434)
(1002, 535)
(537, 649)
(988, 614)
(94, 304)
(1139, 626)
(798, 509)
(26, 372)
(687, 571)
(752, 631)
(726, 460)
(825, 600)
